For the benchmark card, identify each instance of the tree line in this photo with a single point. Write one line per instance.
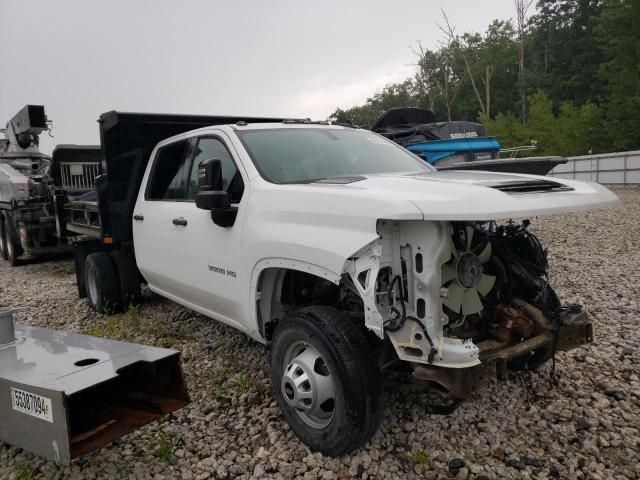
(566, 77)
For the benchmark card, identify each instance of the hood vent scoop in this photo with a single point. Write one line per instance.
(527, 186)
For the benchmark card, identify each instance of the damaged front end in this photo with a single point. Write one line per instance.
(461, 302)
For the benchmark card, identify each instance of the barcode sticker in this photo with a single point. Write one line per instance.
(32, 404)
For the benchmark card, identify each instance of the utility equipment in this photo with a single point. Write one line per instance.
(27, 226)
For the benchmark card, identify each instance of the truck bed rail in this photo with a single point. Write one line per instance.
(79, 175)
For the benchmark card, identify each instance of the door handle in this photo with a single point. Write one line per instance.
(138, 218)
(180, 222)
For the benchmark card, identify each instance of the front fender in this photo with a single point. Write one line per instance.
(275, 268)
(315, 224)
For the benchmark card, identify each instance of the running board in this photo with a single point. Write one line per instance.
(63, 395)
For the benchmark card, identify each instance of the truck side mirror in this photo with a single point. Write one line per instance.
(211, 195)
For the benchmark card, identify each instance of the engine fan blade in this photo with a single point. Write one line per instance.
(485, 254)
(485, 284)
(449, 272)
(471, 302)
(452, 247)
(453, 300)
(469, 234)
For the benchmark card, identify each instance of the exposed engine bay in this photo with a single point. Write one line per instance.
(464, 296)
(492, 272)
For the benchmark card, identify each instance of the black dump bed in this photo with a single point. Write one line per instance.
(127, 140)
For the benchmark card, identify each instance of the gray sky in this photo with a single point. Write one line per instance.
(80, 58)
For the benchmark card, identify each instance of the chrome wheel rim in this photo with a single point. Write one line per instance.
(307, 385)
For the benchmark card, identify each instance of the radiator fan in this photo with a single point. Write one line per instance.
(464, 278)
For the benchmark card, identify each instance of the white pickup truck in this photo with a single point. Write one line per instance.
(353, 259)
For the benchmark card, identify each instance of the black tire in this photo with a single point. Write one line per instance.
(10, 248)
(101, 281)
(128, 277)
(3, 241)
(358, 406)
(79, 258)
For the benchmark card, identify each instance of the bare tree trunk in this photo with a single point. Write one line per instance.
(445, 91)
(451, 38)
(432, 105)
(473, 84)
(546, 50)
(437, 75)
(521, 81)
(488, 71)
(522, 6)
(423, 76)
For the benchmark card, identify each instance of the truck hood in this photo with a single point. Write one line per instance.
(470, 195)
(324, 223)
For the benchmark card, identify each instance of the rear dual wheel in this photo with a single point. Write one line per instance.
(9, 248)
(3, 241)
(326, 380)
(111, 282)
(101, 283)
(128, 277)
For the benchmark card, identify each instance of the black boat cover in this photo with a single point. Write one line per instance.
(409, 125)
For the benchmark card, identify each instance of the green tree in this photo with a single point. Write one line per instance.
(563, 50)
(573, 131)
(507, 128)
(583, 54)
(489, 60)
(618, 37)
(579, 129)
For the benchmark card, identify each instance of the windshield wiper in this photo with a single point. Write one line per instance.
(342, 180)
(336, 180)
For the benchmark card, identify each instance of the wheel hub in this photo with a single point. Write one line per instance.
(307, 385)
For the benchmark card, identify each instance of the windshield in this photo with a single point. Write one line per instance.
(297, 155)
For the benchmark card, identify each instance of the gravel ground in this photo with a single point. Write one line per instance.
(587, 427)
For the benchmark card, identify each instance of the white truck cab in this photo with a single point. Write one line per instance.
(353, 259)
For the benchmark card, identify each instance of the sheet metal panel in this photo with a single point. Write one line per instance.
(620, 168)
(97, 390)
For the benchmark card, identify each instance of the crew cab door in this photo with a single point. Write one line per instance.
(181, 252)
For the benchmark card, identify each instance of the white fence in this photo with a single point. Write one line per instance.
(622, 168)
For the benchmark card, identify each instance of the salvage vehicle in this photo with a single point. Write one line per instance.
(27, 226)
(346, 253)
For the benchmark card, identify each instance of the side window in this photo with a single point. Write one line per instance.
(208, 148)
(168, 175)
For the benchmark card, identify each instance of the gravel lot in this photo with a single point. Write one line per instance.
(587, 427)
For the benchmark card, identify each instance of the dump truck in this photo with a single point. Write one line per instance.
(353, 259)
(27, 225)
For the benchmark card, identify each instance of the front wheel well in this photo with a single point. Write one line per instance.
(281, 290)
